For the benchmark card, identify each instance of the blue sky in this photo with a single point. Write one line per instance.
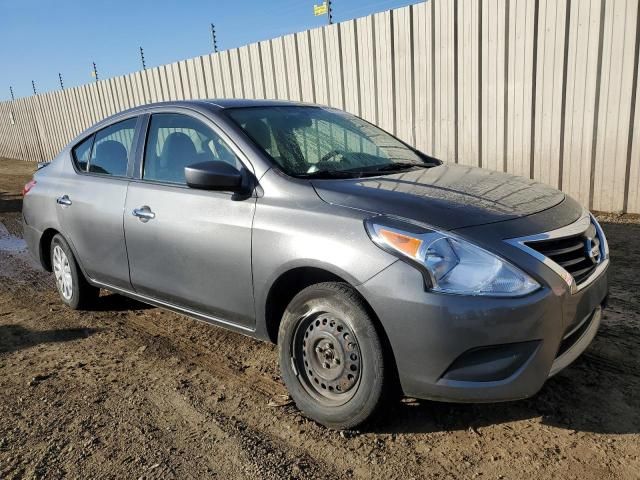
(41, 38)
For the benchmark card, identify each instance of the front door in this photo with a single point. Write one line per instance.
(190, 248)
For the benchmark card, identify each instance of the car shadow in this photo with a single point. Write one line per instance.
(575, 400)
(114, 302)
(10, 202)
(16, 337)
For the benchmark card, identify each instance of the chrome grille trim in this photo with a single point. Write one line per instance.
(576, 228)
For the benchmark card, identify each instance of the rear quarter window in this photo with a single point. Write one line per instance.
(112, 147)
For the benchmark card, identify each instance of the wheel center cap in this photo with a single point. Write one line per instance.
(327, 355)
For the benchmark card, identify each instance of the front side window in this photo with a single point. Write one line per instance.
(111, 148)
(315, 142)
(82, 153)
(176, 141)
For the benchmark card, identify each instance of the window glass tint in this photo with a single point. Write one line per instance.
(176, 141)
(308, 140)
(112, 147)
(82, 152)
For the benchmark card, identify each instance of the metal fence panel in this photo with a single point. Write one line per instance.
(616, 87)
(546, 89)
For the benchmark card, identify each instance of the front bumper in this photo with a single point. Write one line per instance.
(479, 349)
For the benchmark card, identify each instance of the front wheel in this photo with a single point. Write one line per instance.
(331, 357)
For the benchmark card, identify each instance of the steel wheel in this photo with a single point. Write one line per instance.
(327, 356)
(62, 272)
(331, 358)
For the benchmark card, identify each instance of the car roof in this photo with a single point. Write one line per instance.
(221, 104)
(242, 102)
(214, 105)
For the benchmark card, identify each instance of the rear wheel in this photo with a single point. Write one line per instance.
(331, 356)
(72, 286)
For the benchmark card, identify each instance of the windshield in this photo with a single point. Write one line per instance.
(316, 142)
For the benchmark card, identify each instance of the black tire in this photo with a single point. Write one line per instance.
(310, 361)
(81, 294)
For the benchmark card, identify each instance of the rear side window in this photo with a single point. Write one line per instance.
(176, 141)
(111, 148)
(82, 153)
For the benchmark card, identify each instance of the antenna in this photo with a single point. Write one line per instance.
(329, 12)
(95, 71)
(11, 90)
(61, 84)
(33, 85)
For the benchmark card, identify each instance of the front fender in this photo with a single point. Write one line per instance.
(321, 236)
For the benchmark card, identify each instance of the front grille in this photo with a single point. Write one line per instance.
(578, 254)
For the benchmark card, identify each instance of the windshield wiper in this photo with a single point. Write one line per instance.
(397, 166)
(391, 167)
(330, 174)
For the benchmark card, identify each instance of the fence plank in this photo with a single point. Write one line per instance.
(444, 87)
(350, 78)
(384, 74)
(246, 69)
(493, 67)
(366, 68)
(229, 84)
(236, 73)
(423, 70)
(257, 70)
(216, 62)
(319, 62)
(292, 68)
(633, 196)
(307, 77)
(403, 73)
(520, 86)
(614, 110)
(581, 93)
(333, 39)
(549, 83)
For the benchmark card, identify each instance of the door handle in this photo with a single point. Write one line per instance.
(64, 200)
(143, 213)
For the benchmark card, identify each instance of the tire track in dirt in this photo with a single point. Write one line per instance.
(253, 452)
(247, 379)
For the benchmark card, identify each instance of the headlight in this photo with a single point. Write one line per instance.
(452, 265)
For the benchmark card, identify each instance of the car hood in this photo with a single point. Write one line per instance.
(446, 196)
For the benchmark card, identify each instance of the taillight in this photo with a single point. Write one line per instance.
(30, 184)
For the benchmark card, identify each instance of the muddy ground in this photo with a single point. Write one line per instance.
(130, 391)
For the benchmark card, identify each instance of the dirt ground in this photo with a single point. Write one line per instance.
(130, 391)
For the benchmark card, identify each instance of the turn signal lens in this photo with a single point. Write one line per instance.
(404, 243)
(28, 187)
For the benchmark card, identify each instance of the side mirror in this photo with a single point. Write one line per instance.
(214, 176)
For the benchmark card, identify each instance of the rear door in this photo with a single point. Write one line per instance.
(90, 202)
(190, 248)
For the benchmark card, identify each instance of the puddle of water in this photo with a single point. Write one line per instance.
(16, 263)
(10, 243)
